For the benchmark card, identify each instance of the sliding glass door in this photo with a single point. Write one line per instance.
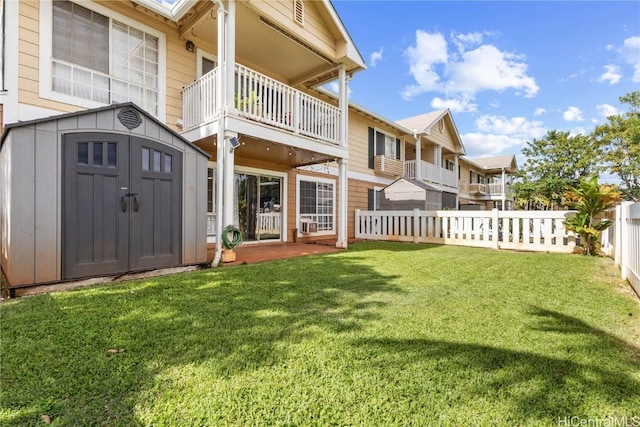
(258, 208)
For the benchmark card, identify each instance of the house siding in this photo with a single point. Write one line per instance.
(314, 31)
(180, 64)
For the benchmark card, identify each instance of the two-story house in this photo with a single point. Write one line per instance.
(485, 182)
(228, 80)
(135, 132)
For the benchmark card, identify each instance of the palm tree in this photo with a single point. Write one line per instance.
(590, 199)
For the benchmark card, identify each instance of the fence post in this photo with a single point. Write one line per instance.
(618, 236)
(356, 223)
(416, 225)
(495, 230)
(624, 234)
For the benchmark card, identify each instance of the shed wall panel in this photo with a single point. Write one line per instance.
(5, 205)
(189, 215)
(22, 226)
(46, 207)
(201, 209)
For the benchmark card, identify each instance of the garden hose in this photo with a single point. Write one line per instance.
(236, 237)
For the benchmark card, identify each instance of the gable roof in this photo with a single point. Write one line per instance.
(424, 122)
(497, 163)
(415, 182)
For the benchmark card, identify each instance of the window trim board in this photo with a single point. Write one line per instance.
(46, 56)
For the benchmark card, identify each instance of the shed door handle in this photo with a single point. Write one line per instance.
(123, 204)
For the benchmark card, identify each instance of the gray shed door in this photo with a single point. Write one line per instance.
(121, 204)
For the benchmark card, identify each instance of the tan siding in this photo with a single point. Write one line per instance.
(358, 199)
(445, 137)
(181, 65)
(315, 30)
(359, 141)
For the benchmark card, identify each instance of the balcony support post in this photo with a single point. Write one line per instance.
(342, 203)
(222, 19)
(343, 103)
(504, 191)
(418, 140)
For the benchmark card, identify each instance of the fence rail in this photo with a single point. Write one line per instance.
(518, 230)
(622, 241)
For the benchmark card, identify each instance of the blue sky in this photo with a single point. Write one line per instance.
(509, 71)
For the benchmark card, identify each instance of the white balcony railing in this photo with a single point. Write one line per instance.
(265, 100)
(431, 173)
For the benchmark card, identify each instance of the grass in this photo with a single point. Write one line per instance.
(381, 334)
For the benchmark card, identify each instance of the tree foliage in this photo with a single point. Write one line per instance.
(559, 161)
(589, 200)
(555, 162)
(619, 140)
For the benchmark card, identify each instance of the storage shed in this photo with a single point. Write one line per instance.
(99, 192)
(407, 194)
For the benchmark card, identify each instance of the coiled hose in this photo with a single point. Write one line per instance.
(236, 237)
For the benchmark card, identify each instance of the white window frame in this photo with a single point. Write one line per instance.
(315, 179)
(200, 54)
(46, 55)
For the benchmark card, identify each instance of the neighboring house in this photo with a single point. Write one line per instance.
(237, 81)
(485, 183)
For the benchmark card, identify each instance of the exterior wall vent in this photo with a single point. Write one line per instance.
(129, 118)
(298, 11)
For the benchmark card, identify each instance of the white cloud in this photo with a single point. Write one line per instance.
(498, 134)
(462, 105)
(486, 144)
(631, 54)
(519, 126)
(465, 41)
(573, 114)
(539, 111)
(376, 57)
(607, 110)
(611, 74)
(430, 50)
(466, 73)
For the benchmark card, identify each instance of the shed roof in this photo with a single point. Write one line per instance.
(10, 126)
(415, 182)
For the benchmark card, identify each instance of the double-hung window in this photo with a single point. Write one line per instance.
(316, 201)
(101, 59)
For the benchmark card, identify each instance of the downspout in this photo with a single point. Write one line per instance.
(220, 98)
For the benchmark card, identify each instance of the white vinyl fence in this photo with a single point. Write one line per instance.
(622, 242)
(519, 230)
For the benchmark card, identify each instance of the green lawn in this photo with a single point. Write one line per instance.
(381, 334)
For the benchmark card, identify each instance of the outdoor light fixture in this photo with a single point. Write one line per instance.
(234, 142)
(190, 46)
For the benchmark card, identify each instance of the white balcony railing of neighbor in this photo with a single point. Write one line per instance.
(265, 100)
(518, 230)
(431, 173)
(267, 223)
